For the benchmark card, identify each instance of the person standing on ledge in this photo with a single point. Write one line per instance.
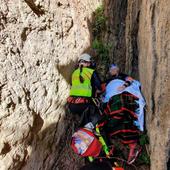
(84, 86)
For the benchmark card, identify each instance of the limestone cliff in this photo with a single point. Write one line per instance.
(140, 33)
(154, 57)
(36, 37)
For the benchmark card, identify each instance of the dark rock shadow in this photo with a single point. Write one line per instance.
(50, 149)
(36, 9)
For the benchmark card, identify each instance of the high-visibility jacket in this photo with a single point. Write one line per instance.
(82, 89)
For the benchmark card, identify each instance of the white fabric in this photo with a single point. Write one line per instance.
(134, 88)
(89, 125)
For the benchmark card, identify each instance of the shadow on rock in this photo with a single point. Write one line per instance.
(50, 149)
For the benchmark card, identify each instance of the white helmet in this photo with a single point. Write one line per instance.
(85, 57)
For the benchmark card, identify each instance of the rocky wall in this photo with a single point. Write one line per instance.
(139, 31)
(154, 56)
(40, 41)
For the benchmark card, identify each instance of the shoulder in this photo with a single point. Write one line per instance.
(89, 69)
(76, 70)
(123, 75)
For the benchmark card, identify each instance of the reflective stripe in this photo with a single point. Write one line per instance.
(82, 89)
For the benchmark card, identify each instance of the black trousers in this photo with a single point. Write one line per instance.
(87, 112)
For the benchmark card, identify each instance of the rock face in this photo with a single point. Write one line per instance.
(116, 12)
(39, 44)
(140, 34)
(148, 48)
(154, 70)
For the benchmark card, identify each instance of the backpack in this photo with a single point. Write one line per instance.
(85, 143)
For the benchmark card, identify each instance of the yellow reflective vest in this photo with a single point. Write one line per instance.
(82, 89)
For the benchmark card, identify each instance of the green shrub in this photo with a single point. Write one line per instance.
(143, 139)
(99, 21)
(102, 50)
(144, 158)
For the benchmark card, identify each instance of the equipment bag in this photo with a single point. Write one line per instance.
(85, 143)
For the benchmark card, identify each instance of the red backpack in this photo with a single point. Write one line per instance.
(85, 143)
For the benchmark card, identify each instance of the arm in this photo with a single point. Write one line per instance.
(96, 81)
(96, 84)
(128, 81)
